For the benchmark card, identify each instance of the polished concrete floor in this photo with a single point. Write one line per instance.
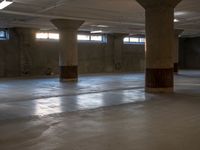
(100, 112)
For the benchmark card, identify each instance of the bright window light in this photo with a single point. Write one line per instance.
(47, 36)
(5, 3)
(41, 35)
(92, 38)
(143, 40)
(96, 38)
(82, 37)
(2, 34)
(134, 40)
(126, 39)
(54, 36)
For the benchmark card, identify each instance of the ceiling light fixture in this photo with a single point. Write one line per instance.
(102, 26)
(5, 3)
(176, 20)
(180, 13)
(98, 31)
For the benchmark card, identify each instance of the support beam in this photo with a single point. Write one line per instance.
(68, 52)
(159, 15)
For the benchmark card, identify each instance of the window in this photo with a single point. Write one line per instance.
(96, 38)
(126, 39)
(82, 37)
(4, 35)
(92, 38)
(41, 35)
(143, 40)
(47, 36)
(54, 36)
(134, 40)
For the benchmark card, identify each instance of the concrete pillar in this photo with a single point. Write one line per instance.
(118, 48)
(159, 15)
(68, 51)
(177, 32)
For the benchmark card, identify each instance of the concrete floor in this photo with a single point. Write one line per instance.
(100, 112)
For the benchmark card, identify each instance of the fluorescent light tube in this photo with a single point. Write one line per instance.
(98, 31)
(5, 3)
(102, 26)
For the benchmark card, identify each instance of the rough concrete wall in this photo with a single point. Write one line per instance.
(98, 58)
(2, 58)
(30, 57)
(91, 57)
(45, 58)
(189, 53)
(133, 58)
(9, 57)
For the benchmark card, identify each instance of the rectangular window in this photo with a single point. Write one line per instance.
(143, 40)
(126, 40)
(4, 35)
(54, 36)
(41, 35)
(134, 40)
(92, 38)
(96, 38)
(47, 36)
(82, 37)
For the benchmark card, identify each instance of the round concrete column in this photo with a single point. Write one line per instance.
(68, 52)
(177, 32)
(159, 44)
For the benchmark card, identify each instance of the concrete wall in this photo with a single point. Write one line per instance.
(133, 58)
(22, 55)
(9, 57)
(189, 53)
(91, 57)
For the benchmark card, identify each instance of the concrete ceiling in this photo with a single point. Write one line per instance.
(125, 16)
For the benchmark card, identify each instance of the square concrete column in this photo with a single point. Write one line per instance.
(68, 52)
(177, 33)
(159, 18)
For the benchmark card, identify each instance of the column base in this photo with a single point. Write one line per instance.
(159, 80)
(176, 68)
(69, 80)
(68, 73)
(159, 90)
